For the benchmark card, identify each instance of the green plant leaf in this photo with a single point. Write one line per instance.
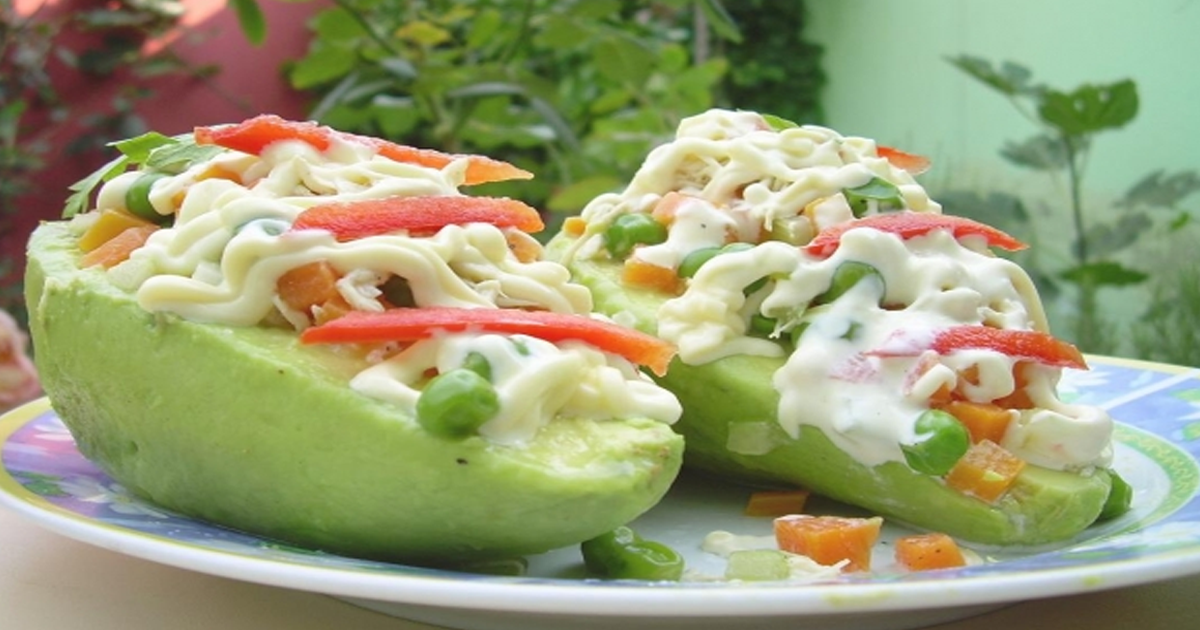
(1090, 108)
(596, 9)
(250, 18)
(1159, 190)
(81, 193)
(1180, 221)
(1010, 78)
(1104, 273)
(560, 31)
(1042, 152)
(573, 197)
(323, 65)
(1107, 238)
(622, 61)
(720, 21)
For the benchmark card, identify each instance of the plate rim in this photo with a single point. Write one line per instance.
(445, 589)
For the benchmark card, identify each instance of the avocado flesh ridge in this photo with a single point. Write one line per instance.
(247, 428)
(1044, 506)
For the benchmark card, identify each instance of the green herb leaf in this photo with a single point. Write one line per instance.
(81, 194)
(138, 148)
(180, 156)
(1090, 108)
(777, 123)
(884, 193)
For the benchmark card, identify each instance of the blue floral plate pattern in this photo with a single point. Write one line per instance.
(44, 477)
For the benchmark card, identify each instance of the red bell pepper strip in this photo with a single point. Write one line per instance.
(411, 324)
(353, 220)
(915, 164)
(256, 134)
(1030, 345)
(908, 225)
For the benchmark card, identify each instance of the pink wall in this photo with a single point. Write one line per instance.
(250, 82)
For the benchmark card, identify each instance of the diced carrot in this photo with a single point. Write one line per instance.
(107, 226)
(308, 285)
(776, 502)
(925, 552)
(523, 246)
(1019, 398)
(666, 208)
(117, 249)
(638, 273)
(829, 540)
(987, 471)
(574, 226)
(330, 310)
(985, 421)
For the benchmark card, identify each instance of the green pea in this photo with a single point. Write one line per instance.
(623, 555)
(696, 259)
(846, 276)
(629, 230)
(398, 292)
(478, 364)
(797, 332)
(762, 325)
(456, 403)
(941, 441)
(1120, 497)
(137, 197)
(884, 193)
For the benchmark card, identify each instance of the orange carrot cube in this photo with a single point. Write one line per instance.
(985, 421)
(987, 471)
(924, 552)
(639, 273)
(829, 540)
(117, 249)
(107, 226)
(307, 285)
(574, 226)
(776, 502)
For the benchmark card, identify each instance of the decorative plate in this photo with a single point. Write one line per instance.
(44, 477)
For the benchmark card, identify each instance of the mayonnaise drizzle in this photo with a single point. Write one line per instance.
(734, 167)
(231, 241)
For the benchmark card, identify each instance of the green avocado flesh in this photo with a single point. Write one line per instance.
(731, 402)
(246, 428)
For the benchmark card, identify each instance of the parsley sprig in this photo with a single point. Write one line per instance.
(152, 151)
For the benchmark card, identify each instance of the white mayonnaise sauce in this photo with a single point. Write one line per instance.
(231, 241)
(733, 166)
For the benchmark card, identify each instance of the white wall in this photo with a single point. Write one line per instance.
(888, 79)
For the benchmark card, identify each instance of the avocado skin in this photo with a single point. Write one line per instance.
(246, 428)
(1044, 506)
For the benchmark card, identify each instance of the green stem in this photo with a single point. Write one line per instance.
(362, 20)
(1073, 176)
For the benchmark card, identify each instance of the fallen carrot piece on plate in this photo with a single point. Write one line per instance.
(925, 552)
(776, 502)
(829, 540)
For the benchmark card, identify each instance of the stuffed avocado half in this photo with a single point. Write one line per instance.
(836, 331)
(315, 337)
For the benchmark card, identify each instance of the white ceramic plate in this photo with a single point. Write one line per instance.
(44, 477)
